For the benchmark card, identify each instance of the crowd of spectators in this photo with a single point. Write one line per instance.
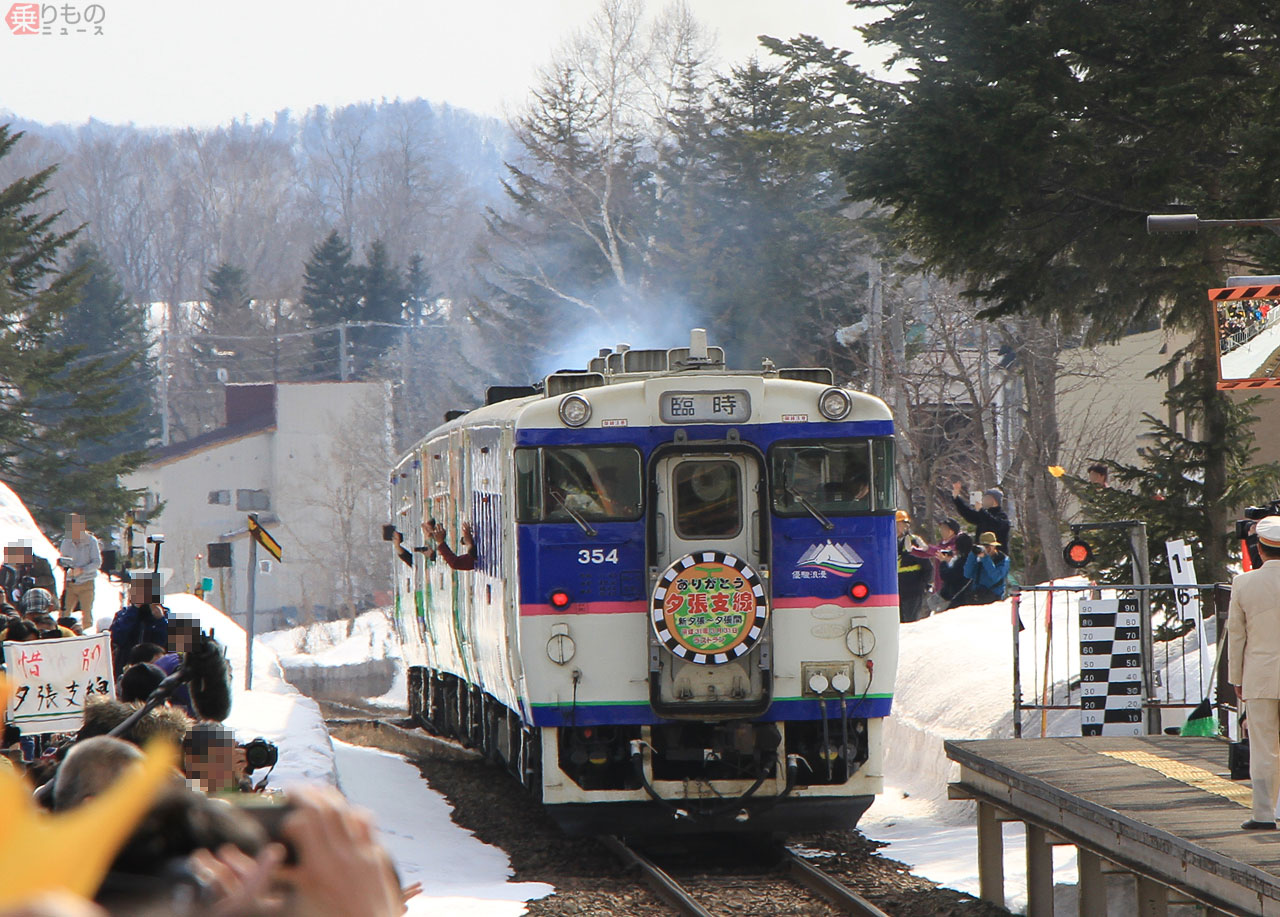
(961, 568)
(210, 840)
(1241, 321)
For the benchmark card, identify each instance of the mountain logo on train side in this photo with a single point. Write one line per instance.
(836, 559)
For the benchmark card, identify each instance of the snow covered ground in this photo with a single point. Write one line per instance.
(461, 876)
(1244, 362)
(334, 643)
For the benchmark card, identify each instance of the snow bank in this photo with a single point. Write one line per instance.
(334, 643)
(274, 709)
(460, 874)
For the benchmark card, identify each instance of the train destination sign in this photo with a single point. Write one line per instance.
(709, 607)
(733, 406)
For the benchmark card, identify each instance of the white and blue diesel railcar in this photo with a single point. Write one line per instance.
(683, 610)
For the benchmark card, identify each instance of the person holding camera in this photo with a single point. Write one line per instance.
(988, 517)
(143, 620)
(82, 558)
(987, 568)
(952, 586)
(23, 569)
(1253, 668)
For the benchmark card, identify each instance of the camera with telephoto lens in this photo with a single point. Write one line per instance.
(260, 754)
(1252, 514)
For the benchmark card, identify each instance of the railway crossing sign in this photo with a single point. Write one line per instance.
(1110, 668)
(263, 537)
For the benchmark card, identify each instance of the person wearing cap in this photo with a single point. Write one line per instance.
(989, 517)
(987, 568)
(1253, 661)
(913, 570)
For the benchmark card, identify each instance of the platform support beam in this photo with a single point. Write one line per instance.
(1092, 896)
(990, 855)
(1039, 873)
(1153, 898)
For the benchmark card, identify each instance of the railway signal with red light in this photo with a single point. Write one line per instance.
(1077, 554)
(559, 599)
(859, 592)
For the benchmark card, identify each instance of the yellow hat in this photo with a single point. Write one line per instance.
(903, 516)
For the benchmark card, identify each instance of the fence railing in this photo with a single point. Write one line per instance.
(1139, 659)
(1239, 338)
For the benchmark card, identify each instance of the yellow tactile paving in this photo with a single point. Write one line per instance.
(1198, 777)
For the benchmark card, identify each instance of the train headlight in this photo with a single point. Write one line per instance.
(835, 404)
(574, 410)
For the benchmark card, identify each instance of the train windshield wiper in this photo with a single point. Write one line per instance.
(813, 510)
(573, 513)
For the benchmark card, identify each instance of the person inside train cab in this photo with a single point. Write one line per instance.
(1253, 644)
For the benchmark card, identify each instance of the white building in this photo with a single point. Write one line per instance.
(311, 459)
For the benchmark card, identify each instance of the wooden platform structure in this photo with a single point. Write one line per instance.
(1160, 807)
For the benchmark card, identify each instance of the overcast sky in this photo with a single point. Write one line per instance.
(201, 62)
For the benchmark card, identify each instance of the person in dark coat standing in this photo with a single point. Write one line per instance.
(989, 517)
(953, 586)
(913, 570)
(143, 620)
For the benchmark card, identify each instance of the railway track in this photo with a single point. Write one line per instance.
(686, 903)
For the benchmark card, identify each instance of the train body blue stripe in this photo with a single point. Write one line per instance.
(565, 715)
(648, 438)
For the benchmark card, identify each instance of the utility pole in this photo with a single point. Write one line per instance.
(343, 359)
(164, 381)
(875, 332)
(250, 601)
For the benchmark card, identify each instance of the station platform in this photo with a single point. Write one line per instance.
(1161, 808)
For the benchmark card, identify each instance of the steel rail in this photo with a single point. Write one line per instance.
(666, 888)
(833, 890)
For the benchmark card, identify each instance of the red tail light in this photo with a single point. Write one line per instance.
(859, 592)
(559, 599)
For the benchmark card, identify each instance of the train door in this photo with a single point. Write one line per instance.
(710, 604)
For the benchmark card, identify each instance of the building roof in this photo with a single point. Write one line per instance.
(250, 408)
(165, 454)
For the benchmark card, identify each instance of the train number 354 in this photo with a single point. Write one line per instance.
(597, 556)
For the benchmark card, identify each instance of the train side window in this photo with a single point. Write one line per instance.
(708, 499)
(528, 485)
(829, 477)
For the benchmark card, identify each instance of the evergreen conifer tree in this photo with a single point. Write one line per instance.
(66, 424)
(1166, 489)
(233, 336)
(330, 292)
(382, 299)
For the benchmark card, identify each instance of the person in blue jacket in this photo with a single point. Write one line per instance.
(987, 567)
(143, 620)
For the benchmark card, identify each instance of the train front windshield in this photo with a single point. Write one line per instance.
(835, 478)
(598, 483)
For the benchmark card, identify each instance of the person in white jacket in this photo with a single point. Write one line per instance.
(1253, 643)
